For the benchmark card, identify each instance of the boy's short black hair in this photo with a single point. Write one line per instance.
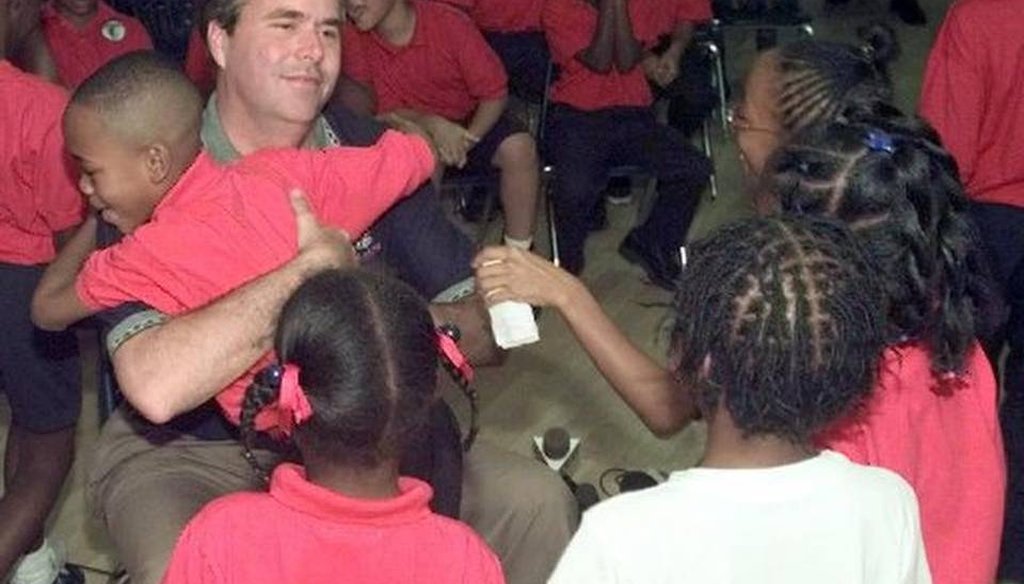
(789, 313)
(143, 96)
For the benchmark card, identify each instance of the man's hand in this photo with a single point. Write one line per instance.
(320, 247)
(452, 141)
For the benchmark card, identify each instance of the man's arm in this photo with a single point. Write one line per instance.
(170, 369)
(55, 304)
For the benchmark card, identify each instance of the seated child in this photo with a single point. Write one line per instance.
(356, 374)
(426, 62)
(932, 417)
(84, 35)
(602, 118)
(778, 331)
(196, 229)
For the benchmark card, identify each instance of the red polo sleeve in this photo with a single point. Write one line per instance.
(952, 95)
(484, 73)
(693, 10)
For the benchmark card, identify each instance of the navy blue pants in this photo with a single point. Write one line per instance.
(1002, 232)
(583, 146)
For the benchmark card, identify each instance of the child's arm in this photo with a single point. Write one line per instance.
(55, 304)
(484, 118)
(505, 273)
(355, 186)
(628, 51)
(451, 140)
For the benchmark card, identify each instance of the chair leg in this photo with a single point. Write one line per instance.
(723, 106)
(709, 151)
(549, 209)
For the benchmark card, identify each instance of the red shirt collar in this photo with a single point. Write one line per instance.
(289, 486)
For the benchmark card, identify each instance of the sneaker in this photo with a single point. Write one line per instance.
(662, 268)
(619, 195)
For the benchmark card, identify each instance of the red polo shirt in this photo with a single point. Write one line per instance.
(503, 15)
(301, 532)
(79, 52)
(945, 441)
(973, 93)
(38, 196)
(569, 27)
(447, 68)
(222, 226)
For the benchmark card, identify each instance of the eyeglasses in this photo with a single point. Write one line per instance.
(738, 122)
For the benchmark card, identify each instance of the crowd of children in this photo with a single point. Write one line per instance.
(282, 420)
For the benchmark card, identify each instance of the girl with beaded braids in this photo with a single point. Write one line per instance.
(778, 331)
(810, 82)
(357, 372)
(932, 417)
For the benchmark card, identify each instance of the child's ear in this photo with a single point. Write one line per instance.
(217, 39)
(158, 163)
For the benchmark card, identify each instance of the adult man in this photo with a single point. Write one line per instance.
(278, 63)
(973, 93)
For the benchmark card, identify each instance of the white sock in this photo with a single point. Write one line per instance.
(523, 244)
(39, 567)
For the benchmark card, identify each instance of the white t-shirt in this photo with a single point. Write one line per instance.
(825, 520)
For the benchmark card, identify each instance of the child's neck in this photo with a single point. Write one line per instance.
(727, 447)
(380, 482)
(399, 25)
(77, 20)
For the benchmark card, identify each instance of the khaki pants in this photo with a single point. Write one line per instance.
(146, 488)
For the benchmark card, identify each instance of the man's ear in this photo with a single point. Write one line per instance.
(158, 162)
(218, 40)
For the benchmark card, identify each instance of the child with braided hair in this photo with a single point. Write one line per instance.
(811, 82)
(356, 374)
(778, 330)
(932, 417)
(791, 87)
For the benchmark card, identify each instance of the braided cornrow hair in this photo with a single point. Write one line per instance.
(821, 81)
(898, 190)
(366, 351)
(787, 309)
(263, 391)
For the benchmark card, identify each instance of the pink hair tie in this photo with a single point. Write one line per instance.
(293, 407)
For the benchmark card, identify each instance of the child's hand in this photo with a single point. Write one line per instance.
(453, 141)
(323, 247)
(506, 273)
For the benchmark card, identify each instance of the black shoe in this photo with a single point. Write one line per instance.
(662, 266)
(909, 11)
(70, 574)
